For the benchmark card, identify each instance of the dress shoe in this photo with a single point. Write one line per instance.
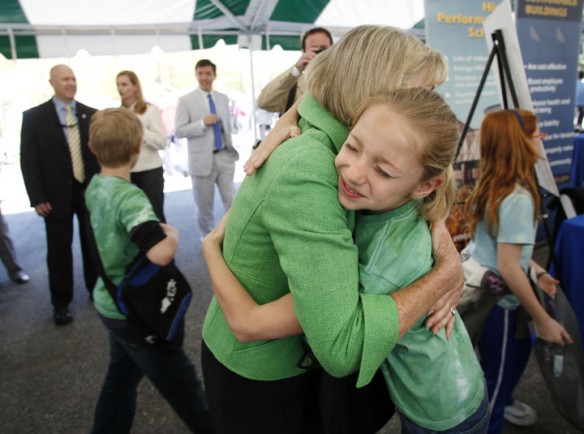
(62, 316)
(20, 277)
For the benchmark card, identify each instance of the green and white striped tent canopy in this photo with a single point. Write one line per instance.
(59, 28)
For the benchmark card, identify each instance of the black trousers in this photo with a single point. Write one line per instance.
(59, 253)
(242, 406)
(151, 182)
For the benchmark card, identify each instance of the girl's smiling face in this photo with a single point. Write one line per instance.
(379, 165)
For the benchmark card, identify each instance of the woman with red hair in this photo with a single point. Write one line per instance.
(502, 212)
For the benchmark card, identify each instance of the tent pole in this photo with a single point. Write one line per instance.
(12, 44)
(253, 103)
(200, 38)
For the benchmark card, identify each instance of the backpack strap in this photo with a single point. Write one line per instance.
(111, 286)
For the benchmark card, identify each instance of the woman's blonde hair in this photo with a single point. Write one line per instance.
(368, 61)
(436, 127)
(140, 105)
(114, 135)
(507, 158)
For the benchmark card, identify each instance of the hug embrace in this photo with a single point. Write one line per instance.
(330, 243)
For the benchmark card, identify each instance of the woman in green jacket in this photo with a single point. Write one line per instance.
(288, 233)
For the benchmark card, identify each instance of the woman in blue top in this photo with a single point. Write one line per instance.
(502, 213)
(395, 168)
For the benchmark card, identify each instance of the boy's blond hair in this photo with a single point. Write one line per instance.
(114, 135)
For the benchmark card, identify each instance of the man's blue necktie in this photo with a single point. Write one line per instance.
(216, 125)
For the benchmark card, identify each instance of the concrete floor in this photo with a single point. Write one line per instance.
(50, 376)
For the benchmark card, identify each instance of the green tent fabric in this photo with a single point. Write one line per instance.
(59, 28)
(22, 46)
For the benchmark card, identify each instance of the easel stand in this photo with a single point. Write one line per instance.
(507, 86)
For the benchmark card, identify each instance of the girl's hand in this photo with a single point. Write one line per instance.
(268, 145)
(548, 283)
(217, 235)
(552, 331)
(286, 127)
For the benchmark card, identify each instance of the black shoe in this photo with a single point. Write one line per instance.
(20, 277)
(62, 316)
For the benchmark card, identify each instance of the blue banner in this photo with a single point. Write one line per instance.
(549, 36)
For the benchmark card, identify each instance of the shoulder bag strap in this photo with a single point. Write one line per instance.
(111, 286)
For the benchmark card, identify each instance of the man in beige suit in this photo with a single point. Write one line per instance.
(204, 119)
(280, 93)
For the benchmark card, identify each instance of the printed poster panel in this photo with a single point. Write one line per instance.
(455, 29)
(502, 20)
(549, 35)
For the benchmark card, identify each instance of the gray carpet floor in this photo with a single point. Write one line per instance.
(50, 376)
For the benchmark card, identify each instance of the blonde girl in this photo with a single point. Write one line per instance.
(395, 171)
(288, 233)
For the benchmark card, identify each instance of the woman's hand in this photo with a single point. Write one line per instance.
(446, 256)
(442, 313)
(444, 252)
(285, 128)
(552, 331)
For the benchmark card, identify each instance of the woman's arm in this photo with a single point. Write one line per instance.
(286, 127)
(428, 294)
(248, 320)
(508, 262)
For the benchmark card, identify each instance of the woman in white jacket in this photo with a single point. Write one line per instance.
(148, 172)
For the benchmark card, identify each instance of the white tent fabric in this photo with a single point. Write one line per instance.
(93, 14)
(114, 27)
(350, 13)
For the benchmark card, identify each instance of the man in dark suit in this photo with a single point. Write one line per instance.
(56, 166)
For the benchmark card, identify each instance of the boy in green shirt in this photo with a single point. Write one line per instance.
(124, 225)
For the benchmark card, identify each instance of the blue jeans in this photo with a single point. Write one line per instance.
(477, 423)
(171, 372)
